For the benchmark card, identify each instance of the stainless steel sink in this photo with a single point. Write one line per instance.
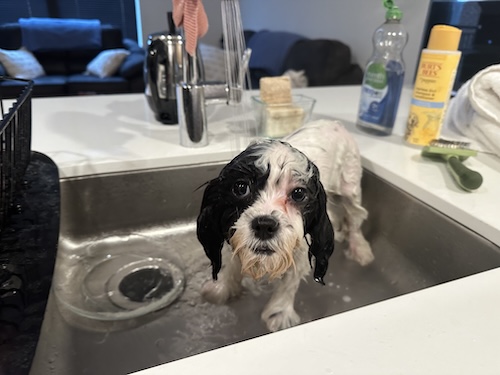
(415, 247)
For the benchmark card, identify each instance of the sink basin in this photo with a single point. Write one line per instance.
(415, 247)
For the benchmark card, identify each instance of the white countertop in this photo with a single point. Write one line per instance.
(451, 328)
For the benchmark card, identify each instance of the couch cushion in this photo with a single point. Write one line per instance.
(44, 86)
(53, 62)
(21, 63)
(10, 36)
(11, 89)
(107, 62)
(40, 33)
(79, 84)
(53, 85)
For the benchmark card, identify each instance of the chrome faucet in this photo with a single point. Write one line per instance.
(194, 94)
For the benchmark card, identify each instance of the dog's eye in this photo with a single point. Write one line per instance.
(298, 194)
(241, 189)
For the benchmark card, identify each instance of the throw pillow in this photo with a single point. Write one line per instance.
(21, 63)
(107, 62)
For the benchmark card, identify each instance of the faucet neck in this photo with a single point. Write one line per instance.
(192, 70)
(193, 95)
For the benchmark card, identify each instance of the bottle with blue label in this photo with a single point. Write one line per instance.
(384, 75)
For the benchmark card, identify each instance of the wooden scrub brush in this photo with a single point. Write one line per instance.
(454, 153)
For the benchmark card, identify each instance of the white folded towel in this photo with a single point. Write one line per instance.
(475, 110)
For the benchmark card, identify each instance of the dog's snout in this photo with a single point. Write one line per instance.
(265, 227)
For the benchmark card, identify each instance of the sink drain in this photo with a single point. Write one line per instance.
(146, 284)
(119, 277)
(123, 286)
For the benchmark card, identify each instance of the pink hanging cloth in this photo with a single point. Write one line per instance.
(191, 15)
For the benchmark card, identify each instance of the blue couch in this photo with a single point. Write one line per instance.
(325, 62)
(64, 68)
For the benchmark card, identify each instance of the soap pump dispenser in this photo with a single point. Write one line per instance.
(384, 75)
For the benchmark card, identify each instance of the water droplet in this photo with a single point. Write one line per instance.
(346, 299)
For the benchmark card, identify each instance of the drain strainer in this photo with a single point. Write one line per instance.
(119, 277)
(146, 284)
(119, 287)
(142, 283)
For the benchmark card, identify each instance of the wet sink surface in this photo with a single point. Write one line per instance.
(415, 247)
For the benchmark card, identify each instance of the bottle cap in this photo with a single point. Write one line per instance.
(444, 38)
(393, 12)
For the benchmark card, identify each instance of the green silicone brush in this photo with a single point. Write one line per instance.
(454, 153)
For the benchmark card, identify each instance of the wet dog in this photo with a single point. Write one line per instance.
(273, 207)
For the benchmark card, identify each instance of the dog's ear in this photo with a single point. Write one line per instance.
(319, 227)
(209, 231)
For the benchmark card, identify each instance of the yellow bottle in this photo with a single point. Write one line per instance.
(435, 77)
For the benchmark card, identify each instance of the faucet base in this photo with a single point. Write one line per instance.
(191, 114)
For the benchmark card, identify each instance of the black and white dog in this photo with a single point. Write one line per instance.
(274, 214)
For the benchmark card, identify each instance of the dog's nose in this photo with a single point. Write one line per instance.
(265, 227)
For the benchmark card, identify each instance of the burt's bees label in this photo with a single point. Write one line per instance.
(435, 77)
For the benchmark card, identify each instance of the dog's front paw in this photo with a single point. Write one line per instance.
(218, 292)
(360, 251)
(363, 259)
(277, 319)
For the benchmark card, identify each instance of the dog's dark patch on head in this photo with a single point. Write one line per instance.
(222, 204)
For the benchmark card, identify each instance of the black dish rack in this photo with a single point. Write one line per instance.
(15, 144)
(29, 229)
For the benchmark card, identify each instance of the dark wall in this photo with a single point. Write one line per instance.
(480, 25)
